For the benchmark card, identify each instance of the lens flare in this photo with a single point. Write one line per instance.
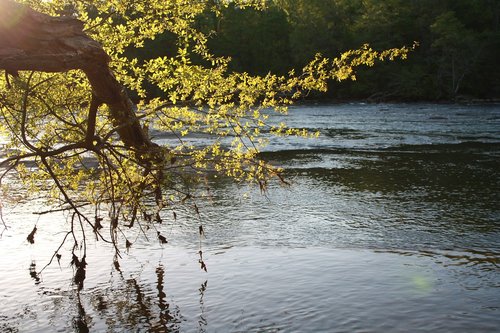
(422, 283)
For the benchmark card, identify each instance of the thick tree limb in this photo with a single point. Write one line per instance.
(34, 41)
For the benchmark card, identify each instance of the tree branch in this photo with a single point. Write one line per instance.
(39, 42)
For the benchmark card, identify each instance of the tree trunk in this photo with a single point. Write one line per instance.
(33, 41)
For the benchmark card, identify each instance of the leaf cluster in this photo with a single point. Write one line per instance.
(45, 118)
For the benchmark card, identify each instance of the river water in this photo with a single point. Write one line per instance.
(391, 224)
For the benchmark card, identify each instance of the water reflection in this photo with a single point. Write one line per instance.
(33, 272)
(278, 289)
(120, 304)
(202, 321)
(81, 319)
(373, 235)
(133, 305)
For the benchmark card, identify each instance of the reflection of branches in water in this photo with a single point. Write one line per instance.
(80, 321)
(5, 326)
(142, 302)
(131, 306)
(34, 275)
(66, 311)
(127, 304)
(165, 316)
(202, 322)
(144, 310)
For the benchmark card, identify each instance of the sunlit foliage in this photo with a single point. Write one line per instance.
(45, 115)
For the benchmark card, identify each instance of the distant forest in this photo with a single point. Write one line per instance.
(457, 58)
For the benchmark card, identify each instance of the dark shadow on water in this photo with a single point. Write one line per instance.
(481, 260)
(465, 175)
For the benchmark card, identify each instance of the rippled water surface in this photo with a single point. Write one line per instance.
(391, 224)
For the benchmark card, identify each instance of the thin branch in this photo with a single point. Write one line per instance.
(56, 252)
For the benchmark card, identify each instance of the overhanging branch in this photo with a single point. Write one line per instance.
(34, 41)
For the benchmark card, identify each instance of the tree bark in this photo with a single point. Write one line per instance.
(30, 40)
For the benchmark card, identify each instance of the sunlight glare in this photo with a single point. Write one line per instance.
(10, 14)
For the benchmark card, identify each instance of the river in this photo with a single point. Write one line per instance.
(391, 224)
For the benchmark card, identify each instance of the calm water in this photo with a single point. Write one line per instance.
(392, 224)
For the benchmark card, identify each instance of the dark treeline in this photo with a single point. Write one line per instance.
(457, 57)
